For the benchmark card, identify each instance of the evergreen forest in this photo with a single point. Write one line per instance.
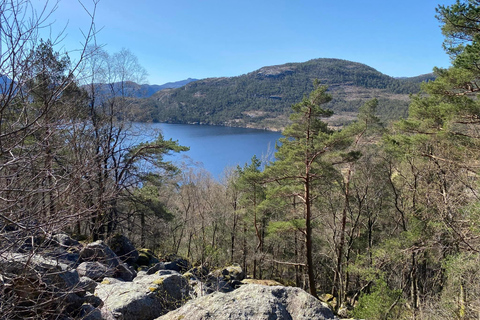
(381, 219)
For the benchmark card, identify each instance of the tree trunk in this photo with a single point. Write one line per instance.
(308, 239)
(341, 245)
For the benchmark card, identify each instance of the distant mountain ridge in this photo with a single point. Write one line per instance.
(132, 89)
(148, 90)
(263, 98)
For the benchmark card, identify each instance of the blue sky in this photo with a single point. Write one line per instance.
(178, 39)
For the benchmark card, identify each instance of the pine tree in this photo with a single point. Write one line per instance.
(299, 165)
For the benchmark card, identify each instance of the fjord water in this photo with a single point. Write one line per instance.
(214, 147)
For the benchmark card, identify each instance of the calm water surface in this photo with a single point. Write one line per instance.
(215, 148)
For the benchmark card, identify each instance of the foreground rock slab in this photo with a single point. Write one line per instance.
(146, 297)
(254, 302)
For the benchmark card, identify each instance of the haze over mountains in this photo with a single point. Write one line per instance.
(263, 98)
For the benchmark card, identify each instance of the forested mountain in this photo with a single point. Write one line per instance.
(263, 98)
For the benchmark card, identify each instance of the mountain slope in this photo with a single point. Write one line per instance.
(263, 98)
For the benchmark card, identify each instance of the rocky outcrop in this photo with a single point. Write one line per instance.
(58, 277)
(34, 284)
(146, 297)
(255, 302)
(99, 252)
(62, 278)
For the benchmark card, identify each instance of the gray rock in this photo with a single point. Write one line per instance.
(141, 273)
(109, 280)
(123, 248)
(254, 302)
(95, 270)
(98, 251)
(109, 315)
(156, 267)
(52, 272)
(70, 258)
(233, 272)
(62, 248)
(165, 272)
(146, 258)
(93, 300)
(64, 240)
(89, 312)
(199, 288)
(146, 297)
(43, 284)
(87, 284)
(125, 272)
(225, 280)
(200, 272)
(177, 263)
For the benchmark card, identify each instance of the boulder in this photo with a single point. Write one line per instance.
(200, 272)
(146, 258)
(63, 248)
(146, 297)
(38, 285)
(52, 272)
(123, 248)
(233, 272)
(225, 280)
(89, 312)
(93, 300)
(156, 267)
(176, 263)
(87, 284)
(254, 302)
(125, 272)
(68, 256)
(99, 252)
(65, 240)
(94, 270)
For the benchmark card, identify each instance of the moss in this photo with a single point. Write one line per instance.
(152, 289)
(158, 281)
(146, 251)
(188, 275)
(105, 281)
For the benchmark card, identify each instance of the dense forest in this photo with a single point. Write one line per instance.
(380, 220)
(263, 98)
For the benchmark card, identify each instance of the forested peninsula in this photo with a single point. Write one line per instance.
(371, 217)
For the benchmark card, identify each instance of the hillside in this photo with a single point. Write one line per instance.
(263, 98)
